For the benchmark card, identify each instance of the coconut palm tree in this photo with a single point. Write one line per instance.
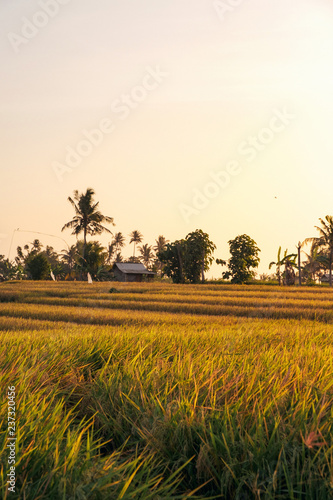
(110, 252)
(87, 219)
(69, 257)
(119, 257)
(95, 259)
(136, 237)
(119, 241)
(36, 246)
(325, 240)
(316, 261)
(21, 258)
(51, 256)
(113, 248)
(147, 255)
(161, 243)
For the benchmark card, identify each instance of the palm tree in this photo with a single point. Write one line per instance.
(161, 241)
(52, 256)
(136, 237)
(119, 257)
(113, 247)
(110, 252)
(21, 258)
(69, 257)
(288, 261)
(146, 255)
(299, 264)
(36, 246)
(278, 265)
(119, 241)
(88, 219)
(95, 258)
(325, 240)
(316, 260)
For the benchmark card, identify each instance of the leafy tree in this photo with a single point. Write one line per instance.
(10, 270)
(26, 265)
(95, 261)
(325, 240)
(57, 265)
(198, 255)
(172, 258)
(38, 267)
(87, 219)
(136, 237)
(187, 259)
(244, 256)
(24, 254)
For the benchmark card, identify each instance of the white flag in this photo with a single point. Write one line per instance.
(89, 278)
(52, 276)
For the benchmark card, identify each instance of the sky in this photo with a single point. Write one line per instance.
(181, 115)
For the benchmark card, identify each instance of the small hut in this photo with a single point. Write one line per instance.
(129, 271)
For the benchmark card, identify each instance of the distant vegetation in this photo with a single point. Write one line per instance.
(244, 256)
(182, 261)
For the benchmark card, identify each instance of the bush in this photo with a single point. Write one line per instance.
(38, 267)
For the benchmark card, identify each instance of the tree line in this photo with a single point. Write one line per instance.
(319, 259)
(183, 261)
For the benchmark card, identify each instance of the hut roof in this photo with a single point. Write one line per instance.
(132, 268)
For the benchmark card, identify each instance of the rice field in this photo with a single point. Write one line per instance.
(158, 391)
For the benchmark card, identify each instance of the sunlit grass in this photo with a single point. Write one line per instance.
(118, 402)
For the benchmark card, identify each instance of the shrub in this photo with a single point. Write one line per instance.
(38, 267)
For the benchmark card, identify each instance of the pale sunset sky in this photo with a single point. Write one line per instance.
(211, 116)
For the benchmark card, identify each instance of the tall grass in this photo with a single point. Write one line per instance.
(147, 404)
(262, 302)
